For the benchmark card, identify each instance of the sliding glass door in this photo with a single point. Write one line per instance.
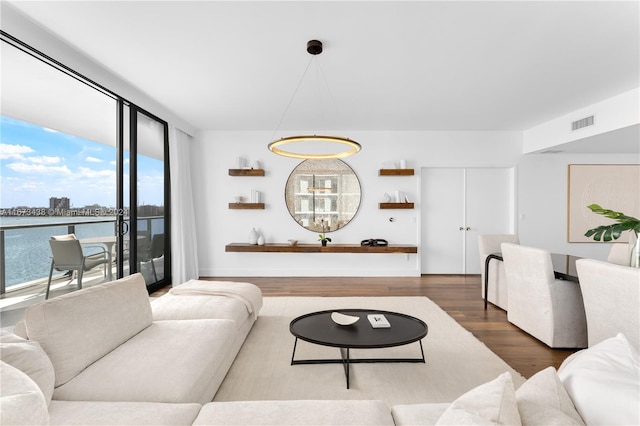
(149, 195)
(77, 158)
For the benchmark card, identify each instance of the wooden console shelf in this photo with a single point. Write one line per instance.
(246, 206)
(396, 205)
(318, 248)
(246, 172)
(395, 172)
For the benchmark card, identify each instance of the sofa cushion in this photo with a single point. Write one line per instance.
(21, 401)
(490, 403)
(418, 414)
(171, 307)
(295, 413)
(121, 413)
(543, 401)
(604, 382)
(79, 328)
(169, 361)
(29, 358)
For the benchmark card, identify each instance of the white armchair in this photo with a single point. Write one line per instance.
(549, 309)
(497, 281)
(611, 296)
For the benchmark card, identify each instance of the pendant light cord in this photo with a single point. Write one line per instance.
(292, 98)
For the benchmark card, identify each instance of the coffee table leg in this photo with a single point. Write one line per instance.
(345, 363)
(293, 355)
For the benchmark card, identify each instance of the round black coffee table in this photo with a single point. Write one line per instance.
(319, 328)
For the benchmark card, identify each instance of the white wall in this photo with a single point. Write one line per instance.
(215, 152)
(541, 200)
(610, 114)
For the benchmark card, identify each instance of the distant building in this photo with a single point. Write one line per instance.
(59, 203)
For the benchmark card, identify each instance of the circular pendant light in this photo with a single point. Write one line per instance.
(348, 147)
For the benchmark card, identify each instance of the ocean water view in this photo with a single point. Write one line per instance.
(27, 251)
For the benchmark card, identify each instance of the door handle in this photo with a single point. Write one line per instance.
(124, 228)
(461, 228)
(468, 228)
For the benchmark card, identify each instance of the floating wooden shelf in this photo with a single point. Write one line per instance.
(396, 205)
(395, 172)
(318, 248)
(246, 172)
(246, 206)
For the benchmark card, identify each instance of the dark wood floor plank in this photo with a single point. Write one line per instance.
(458, 295)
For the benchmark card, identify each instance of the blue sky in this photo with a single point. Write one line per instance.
(38, 163)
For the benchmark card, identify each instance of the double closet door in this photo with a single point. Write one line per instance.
(457, 205)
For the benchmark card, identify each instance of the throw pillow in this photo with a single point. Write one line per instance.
(604, 382)
(21, 401)
(30, 358)
(491, 403)
(543, 401)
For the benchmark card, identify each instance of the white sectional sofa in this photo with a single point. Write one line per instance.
(107, 356)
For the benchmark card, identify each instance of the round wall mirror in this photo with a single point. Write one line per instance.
(322, 195)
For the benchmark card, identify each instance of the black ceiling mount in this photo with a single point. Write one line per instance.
(314, 47)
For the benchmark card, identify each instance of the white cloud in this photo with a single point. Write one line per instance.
(44, 159)
(90, 173)
(38, 168)
(91, 159)
(8, 151)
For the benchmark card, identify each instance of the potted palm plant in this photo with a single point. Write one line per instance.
(614, 231)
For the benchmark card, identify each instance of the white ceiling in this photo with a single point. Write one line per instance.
(388, 65)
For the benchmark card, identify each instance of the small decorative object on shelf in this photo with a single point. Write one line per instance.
(239, 198)
(261, 240)
(293, 242)
(253, 236)
(323, 237)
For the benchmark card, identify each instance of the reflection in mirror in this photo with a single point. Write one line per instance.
(322, 195)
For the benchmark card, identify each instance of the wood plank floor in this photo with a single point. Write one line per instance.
(458, 295)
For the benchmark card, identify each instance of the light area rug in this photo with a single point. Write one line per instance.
(455, 360)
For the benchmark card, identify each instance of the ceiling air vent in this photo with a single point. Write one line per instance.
(582, 123)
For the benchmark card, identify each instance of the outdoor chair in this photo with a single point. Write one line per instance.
(151, 252)
(549, 309)
(67, 255)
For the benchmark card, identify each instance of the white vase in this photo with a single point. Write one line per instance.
(261, 240)
(253, 236)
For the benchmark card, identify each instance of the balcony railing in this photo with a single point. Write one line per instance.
(25, 255)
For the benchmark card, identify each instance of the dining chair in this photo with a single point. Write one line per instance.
(619, 254)
(497, 284)
(67, 255)
(611, 296)
(547, 308)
